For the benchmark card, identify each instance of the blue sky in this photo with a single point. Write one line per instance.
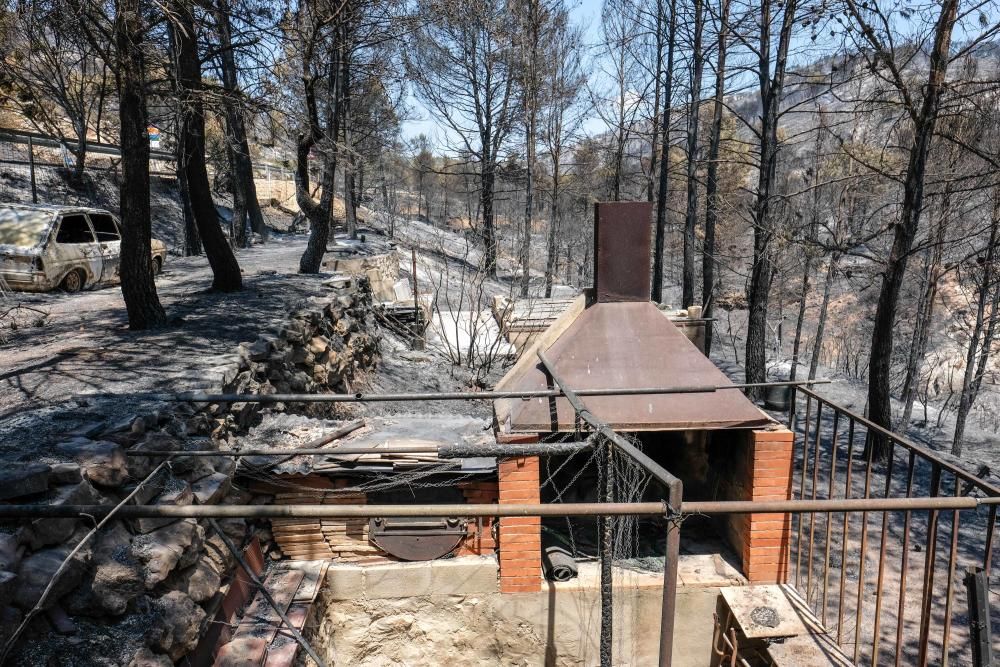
(586, 13)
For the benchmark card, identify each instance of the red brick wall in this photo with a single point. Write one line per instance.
(766, 537)
(520, 537)
(479, 539)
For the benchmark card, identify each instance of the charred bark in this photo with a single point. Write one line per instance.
(225, 269)
(925, 120)
(318, 213)
(243, 186)
(138, 289)
(762, 272)
(691, 214)
(663, 194)
(978, 350)
(712, 180)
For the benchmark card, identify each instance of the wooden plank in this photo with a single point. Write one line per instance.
(780, 604)
(529, 357)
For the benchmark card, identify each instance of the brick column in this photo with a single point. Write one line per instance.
(479, 542)
(767, 542)
(520, 537)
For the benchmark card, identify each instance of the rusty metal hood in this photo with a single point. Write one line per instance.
(625, 345)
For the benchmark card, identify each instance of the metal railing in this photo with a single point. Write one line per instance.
(884, 582)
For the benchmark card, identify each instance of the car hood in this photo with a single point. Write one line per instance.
(157, 244)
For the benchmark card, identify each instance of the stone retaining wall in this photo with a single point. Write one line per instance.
(139, 593)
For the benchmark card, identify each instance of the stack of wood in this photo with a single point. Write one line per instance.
(322, 539)
(422, 453)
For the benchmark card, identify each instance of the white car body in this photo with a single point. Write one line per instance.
(45, 247)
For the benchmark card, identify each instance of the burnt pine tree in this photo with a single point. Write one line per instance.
(771, 78)
(923, 117)
(245, 203)
(663, 193)
(712, 178)
(136, 270)
(314, 37)
(691, 215)
(225, 269)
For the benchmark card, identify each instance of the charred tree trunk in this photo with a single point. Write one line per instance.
(824, 309)
(192, 240)
(762, 272)
(528, 201)
(811, 240)
(925, 119)
(974, 370)
(241, 179)
(654, 142)
(925, 313)
(225, 269)
(712, 181)
(350, 157)
(138, 289)
(663, 193)
(319, 213)
(691, 215)
(552, 257)
(488, 176)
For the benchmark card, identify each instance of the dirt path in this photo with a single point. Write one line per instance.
(86, 346)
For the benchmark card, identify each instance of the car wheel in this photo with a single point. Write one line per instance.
(73, 282)
(157, 265)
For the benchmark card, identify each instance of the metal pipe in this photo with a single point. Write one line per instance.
(720, 507)
(607, 554)
(668, 608)
(447, 451)
(197, 397)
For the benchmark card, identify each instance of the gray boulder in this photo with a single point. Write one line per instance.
(146, 658)
(166, 549)
(177, 626)
(200, 581)
(46, 532)
(35, 572)
(102, 462)
(23, 479)
(114, 579)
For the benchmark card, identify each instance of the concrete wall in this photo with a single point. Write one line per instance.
(451, 612)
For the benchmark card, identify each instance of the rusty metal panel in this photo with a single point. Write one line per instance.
(622, 251)
(631, 344)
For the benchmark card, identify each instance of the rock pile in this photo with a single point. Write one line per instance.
(320, 349)
(164, 574)
(168, 565)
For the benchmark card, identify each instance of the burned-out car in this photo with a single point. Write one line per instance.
(45, 247)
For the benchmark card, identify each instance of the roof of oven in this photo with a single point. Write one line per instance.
(622, 345)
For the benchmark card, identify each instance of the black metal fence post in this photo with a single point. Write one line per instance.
(31, 170)
(979, 617)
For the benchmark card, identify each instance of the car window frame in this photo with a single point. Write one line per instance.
(114, 223)
(86, 219)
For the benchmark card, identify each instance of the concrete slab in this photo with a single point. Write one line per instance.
(465, 576)
(345, 582)
(398, 580)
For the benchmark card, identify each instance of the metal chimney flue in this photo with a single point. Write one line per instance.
(621, 251)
